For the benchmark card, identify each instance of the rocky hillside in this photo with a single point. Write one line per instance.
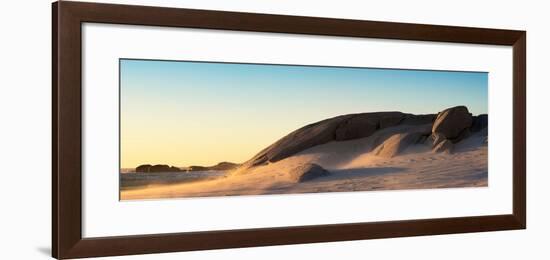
(441, 131)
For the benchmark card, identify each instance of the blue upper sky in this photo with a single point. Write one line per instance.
(272, 100)
(364, 89)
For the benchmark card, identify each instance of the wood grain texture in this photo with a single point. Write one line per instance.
(67, 241)
(519, 134)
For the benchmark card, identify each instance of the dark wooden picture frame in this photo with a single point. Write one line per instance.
(67, 240)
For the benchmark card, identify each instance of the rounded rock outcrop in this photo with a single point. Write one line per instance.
(307, 172)
(452, 122)
(143, 168)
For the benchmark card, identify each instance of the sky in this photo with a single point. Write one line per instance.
(185, 113)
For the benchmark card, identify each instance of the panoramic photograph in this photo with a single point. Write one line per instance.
(210, 129)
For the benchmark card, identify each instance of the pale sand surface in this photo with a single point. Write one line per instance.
(354, 166)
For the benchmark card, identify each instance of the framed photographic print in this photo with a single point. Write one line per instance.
(179, 129)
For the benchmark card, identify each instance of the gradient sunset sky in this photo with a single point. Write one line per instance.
(201, 113)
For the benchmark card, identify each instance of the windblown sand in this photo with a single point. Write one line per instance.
(354, 166)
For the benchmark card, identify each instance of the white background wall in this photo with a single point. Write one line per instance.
(25, 128)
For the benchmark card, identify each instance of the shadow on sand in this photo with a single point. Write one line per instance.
(355, 173)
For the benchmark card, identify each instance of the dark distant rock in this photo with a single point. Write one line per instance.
(160, 168)
(307, 172)
(197, 168)
(157, 168)
(143, 168)
(479, 122)
(224, 166)
(452, 122)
